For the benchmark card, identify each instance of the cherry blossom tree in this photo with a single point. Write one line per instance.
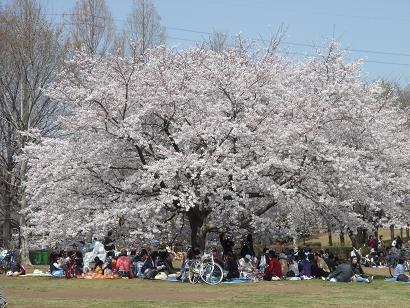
(238, 140)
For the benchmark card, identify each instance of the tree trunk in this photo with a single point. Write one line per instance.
(407, 233)
(342, 237)
(392, 232)
(401, 233)
(330, 237)
(7, 221)
(199, 232)
(359, 238)
(24, 251)
(8, 200)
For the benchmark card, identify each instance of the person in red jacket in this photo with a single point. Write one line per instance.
(124, 264)
(274, 269)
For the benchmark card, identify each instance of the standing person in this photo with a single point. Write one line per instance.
(247, 246)
(380, 243)
(231, 265)
(109, 245)
(399, 242)
(372, 242)
(226, 243)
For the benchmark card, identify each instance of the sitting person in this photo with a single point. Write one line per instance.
(358, 273)
(293, 268)
(108, 267)
(56, 268)
(399, 271)
(190, 256)
(305, 266)
(123, 265)
(79, 261)
(166, 262)
(319, 266)
(264, 261)
(71, 266)
(283, 260)
(150, 268)
(381, 260)
(98, 265)
(330, 261)
(138, 263)
(349, 272)
(274, 269)
(231, 266)
(247, 265)
(18, 270)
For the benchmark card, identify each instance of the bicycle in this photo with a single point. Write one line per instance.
(392, 260)
(205, 269)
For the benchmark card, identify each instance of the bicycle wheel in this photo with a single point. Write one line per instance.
(211, 273)
(194, 272)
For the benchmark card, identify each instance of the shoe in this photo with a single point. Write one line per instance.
(323, 278)
(370, 279)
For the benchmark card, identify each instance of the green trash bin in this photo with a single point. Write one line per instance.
(35, 257)
(44, 257)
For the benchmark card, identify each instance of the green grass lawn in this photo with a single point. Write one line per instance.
(49, 292)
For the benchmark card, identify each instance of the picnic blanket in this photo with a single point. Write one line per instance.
(236, 280)
(393, 279)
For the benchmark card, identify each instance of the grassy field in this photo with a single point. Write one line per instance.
(49, 292)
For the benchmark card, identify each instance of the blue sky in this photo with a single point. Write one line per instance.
(370, 25)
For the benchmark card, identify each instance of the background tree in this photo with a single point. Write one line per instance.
(144, 26)
(92, 26)
(217, 41)
(32, 52)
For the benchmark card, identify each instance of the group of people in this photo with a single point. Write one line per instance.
(288, 264)
(148, 263)
(151, 263)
